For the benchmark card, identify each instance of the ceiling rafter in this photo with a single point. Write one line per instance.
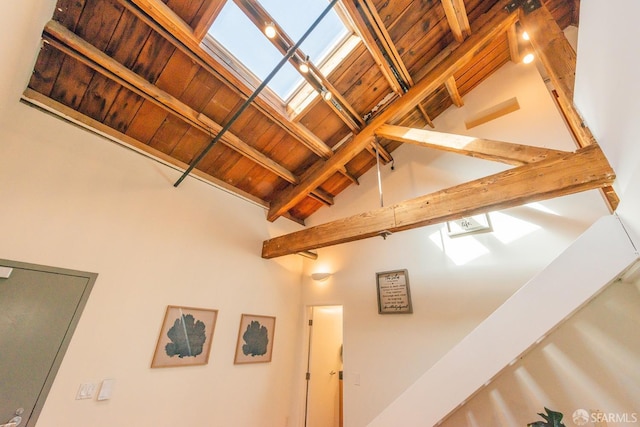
(498, 23)
(63, 39)
(454, 94)
(158, 16)
(583, 170)
(210, 13)
(353, 8)
(456, 14)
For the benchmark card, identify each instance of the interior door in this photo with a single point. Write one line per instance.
(39, 308)
(325, 365)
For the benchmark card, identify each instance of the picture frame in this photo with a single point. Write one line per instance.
(185, 337)
(394, 294)
(255, 339)
(469, 225)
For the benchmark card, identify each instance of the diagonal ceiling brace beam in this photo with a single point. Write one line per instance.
(583, 170)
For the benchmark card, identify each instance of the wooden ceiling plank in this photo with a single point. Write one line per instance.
(504, 152)
(497, 24)
(156, 14)
(574, 172)
(452, 88)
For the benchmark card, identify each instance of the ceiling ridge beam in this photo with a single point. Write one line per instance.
(499, 151)
(163, 20)
(583, 170)
(497, 24)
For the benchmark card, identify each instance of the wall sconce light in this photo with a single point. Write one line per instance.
(528, 58)
(270, 30)
(525, 36)
(320, 277)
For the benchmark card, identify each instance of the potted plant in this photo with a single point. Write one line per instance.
(552, 419)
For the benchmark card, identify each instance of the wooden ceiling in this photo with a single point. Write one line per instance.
(144, 73)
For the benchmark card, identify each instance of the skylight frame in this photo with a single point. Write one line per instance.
(292, 102)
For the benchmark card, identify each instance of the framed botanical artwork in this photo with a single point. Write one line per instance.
(394, 295)
(255, 339)
(185, 337)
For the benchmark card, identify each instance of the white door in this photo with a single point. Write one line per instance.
(39, 308)
(324, 395)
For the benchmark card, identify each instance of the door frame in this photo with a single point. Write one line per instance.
(91, 278)
(308, 350)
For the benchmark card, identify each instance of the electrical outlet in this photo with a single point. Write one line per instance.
(86, 391)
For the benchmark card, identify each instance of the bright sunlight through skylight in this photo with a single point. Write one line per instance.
(242, 39)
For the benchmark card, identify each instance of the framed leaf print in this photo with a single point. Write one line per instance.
(185, 337)
(255, 339)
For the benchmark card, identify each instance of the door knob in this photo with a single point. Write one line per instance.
(332, 373)
(16, 420)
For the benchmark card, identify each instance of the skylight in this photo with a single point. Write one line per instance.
(235, 32)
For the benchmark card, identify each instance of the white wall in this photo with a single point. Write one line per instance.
(608, 96)
(590, 362)
(74, 200)
(387, 353)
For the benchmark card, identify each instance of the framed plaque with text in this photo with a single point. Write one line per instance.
(394, 296)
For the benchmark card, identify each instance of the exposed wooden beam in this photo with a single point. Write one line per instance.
(497, 24)
(574, 172)
(63, 39)
(514, 46)
(370, 43)
(452, 88)
(456, 14)
(210, 12)
(559, 60)
(425, 115)
(504, 152)
(370, 12)
(163, 20)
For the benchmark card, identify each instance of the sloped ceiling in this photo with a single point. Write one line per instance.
(145, 73)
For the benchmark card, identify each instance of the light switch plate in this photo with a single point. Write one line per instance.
(86, 391)
(106, 389)
(5, 272)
